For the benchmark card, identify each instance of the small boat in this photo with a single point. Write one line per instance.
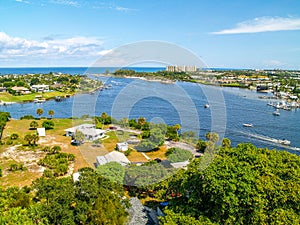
(58, 99)
(6, 103)
(247, 124)
(276, 113)
(206, 106)
(42, 100)
(284, 142)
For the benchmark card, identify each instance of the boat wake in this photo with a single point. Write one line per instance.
(278, 142)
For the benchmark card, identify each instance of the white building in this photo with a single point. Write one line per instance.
(123, 146)
(181, 68)
(113, 156)
(41, 131)
(21, 90)
(40, 88)
(88, 130)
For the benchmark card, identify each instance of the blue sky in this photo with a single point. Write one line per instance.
(231, 34)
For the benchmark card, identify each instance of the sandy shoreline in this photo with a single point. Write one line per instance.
(135, 77)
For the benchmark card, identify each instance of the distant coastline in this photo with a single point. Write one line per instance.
(72, 70)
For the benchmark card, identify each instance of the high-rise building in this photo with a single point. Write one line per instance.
(181, 68)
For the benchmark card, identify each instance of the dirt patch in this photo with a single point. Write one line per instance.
(30, 159)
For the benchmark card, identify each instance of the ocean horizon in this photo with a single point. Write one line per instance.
(72, 70)
(87, 70)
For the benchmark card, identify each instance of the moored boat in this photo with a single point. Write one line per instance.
(41, 100)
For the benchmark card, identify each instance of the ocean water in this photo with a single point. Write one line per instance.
(72, 70)
(183, 103)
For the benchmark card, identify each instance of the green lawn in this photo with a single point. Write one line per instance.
(6, 97)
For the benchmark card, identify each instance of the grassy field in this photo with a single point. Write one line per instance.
(85, 154)
(160, 153)
(53, 137)
(136, 156)
(6, 97)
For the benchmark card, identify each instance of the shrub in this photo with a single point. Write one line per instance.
(56, 163)
(27, 117)
(9, 142)
(48, 173)
(14, 136)
(178, 155)
(97, 141)
(146, 146)
(46, 149)
(17, 166)
(127, 152)
(48, 124)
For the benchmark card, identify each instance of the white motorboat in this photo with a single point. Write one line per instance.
(247, 124)
(284, 142)
(206, 105)
(276, 113)
(41, 100)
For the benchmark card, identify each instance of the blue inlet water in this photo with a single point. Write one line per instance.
(182, 103)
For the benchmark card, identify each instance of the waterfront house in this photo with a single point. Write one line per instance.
(21, 90)
(40, 88)
(89, 131)
(113, 156)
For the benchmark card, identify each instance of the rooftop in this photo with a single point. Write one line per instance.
(113, 156)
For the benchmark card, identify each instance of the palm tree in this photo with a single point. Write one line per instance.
(34, 124)
(226, 143)
(124, 122)
(28, 138)
(211, 136)
(141, 121)
(177, 127)
(51, 113)
(55, 149)
(35, 138)
(39, 112)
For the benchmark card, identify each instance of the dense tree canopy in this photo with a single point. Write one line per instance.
(242, 185)
(91, 200)
(112, 171)
(178, 155)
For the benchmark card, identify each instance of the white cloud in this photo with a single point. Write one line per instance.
(123, 9)
(16, 47)
(23, 1)
(65, 2)
(263, 24)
